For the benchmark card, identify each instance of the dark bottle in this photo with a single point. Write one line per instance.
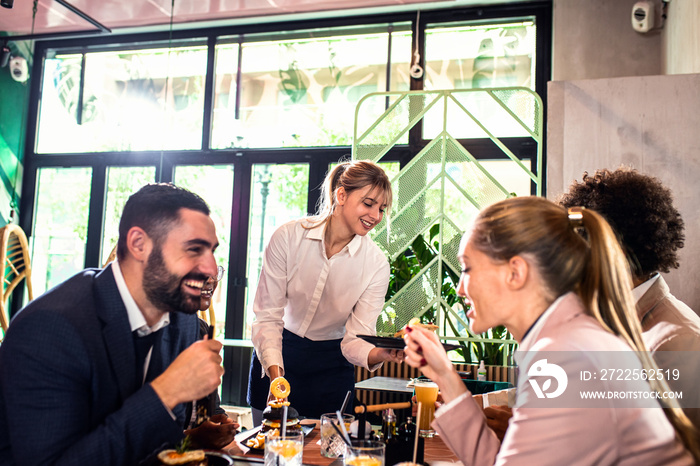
(389, 426)
(376, 436)
(406, 435)
(407, 430)
(391, 439)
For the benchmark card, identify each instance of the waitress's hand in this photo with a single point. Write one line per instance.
(274, 372)
(377, 355)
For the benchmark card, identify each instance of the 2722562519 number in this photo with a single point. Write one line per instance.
(639, 374)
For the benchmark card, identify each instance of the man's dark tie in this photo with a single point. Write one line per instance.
(141, 347)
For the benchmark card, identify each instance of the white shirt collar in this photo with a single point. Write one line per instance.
(318, 233)
(639, 291)
(136, 319)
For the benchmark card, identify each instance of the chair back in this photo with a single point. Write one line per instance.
(14, 257)
(111, 257)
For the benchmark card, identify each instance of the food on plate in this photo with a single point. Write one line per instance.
(272, 419)
(413, 323)
(186, 458)
(257, 442)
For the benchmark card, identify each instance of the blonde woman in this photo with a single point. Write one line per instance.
(322, 283)
(526, 266)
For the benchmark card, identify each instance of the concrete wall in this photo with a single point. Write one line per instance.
(650, 123)
(680, 39)
(609, 105)
(594, 39)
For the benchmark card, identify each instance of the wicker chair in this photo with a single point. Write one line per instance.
(14, 256)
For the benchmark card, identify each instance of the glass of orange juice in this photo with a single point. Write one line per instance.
(364, 453)
(426, 395)
(284, 451)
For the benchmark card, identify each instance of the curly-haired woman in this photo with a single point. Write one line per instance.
(651, 231)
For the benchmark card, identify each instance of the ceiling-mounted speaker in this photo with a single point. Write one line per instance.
(19, 69)
(643, 16)
(5, 54)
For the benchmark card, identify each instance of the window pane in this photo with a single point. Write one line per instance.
(401, 60)
(510, 175)
(60, 225)
(149, 99)
(225, 123)
(214, 183)
(279, 194)
(122, 182)
(391, 168)
(497, 55)
(302, 90)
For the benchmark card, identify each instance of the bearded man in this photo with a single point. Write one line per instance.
(99, 369)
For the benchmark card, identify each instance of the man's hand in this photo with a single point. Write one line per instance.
(497, 418)
(215, 433)
(194, 374)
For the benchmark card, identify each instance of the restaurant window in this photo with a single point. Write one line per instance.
(60, 225)
(122, 182)
(278, 195)
(300, 89)
(128, 100)
(214, 183)
(465, 176)
(226, 132)
(490, 55)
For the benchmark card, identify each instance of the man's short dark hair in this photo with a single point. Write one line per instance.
(156, 208)
(640, 209)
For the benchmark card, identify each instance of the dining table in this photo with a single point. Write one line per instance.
(435, 451)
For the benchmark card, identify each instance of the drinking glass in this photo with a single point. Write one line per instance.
(364, 453)
(285, 451)
(426, 395)
(332, 445)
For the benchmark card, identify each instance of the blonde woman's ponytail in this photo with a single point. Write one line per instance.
(606, 289)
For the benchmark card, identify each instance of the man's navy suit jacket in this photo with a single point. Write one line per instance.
(68, 388)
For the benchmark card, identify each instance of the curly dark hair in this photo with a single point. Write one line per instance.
(641, 211)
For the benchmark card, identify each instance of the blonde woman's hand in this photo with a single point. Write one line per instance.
(425, 351)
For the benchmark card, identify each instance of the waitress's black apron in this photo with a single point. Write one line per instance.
(317, 371)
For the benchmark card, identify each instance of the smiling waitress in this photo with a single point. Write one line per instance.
(322, 283)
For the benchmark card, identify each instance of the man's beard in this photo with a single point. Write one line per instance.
(164, 289)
